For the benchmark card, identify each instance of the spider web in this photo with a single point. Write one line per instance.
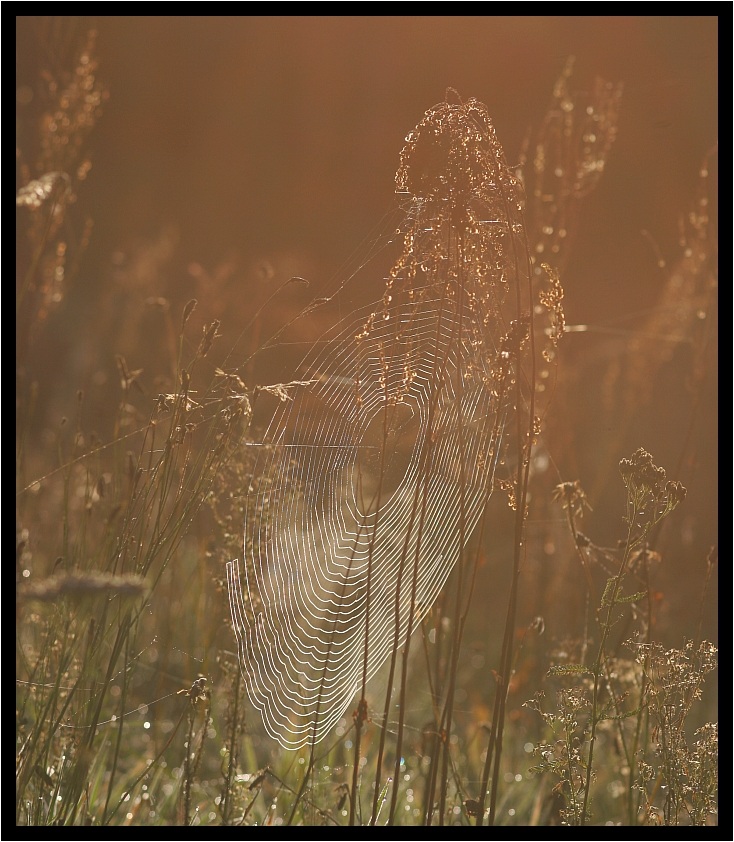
(371, 478)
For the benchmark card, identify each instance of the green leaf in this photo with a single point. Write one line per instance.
(569, 669)
(607, 595)
(635, 597)
(621, 715)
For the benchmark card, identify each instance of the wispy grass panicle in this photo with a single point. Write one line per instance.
(53, 161)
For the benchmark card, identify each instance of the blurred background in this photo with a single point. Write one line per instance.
(231, 153)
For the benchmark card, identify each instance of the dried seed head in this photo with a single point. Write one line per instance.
(187, 311)
(38, 191)
(210, 334)
(572, 497)
(81, 585)
(453, 150)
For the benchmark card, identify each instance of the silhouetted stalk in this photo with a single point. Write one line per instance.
(650, 498)
(302, 787)
(596, 670)
(642, 720)
(188, 745)
(355, 770)
(430, 795)
(434, 748)
(232, 759)
(445, 731)
(524, 448)
(406, 652)
(600, 657)
(383, 733)
(118, 741)
(149, 766)
(425, 473)
(362, 706)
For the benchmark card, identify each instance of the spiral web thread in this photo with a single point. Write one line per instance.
(371, 479)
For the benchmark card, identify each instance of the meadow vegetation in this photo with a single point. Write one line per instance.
(546, 685)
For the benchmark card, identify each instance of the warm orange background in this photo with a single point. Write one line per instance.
(259, 145)
(264, 134)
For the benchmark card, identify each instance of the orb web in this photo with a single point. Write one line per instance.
(371, 478)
